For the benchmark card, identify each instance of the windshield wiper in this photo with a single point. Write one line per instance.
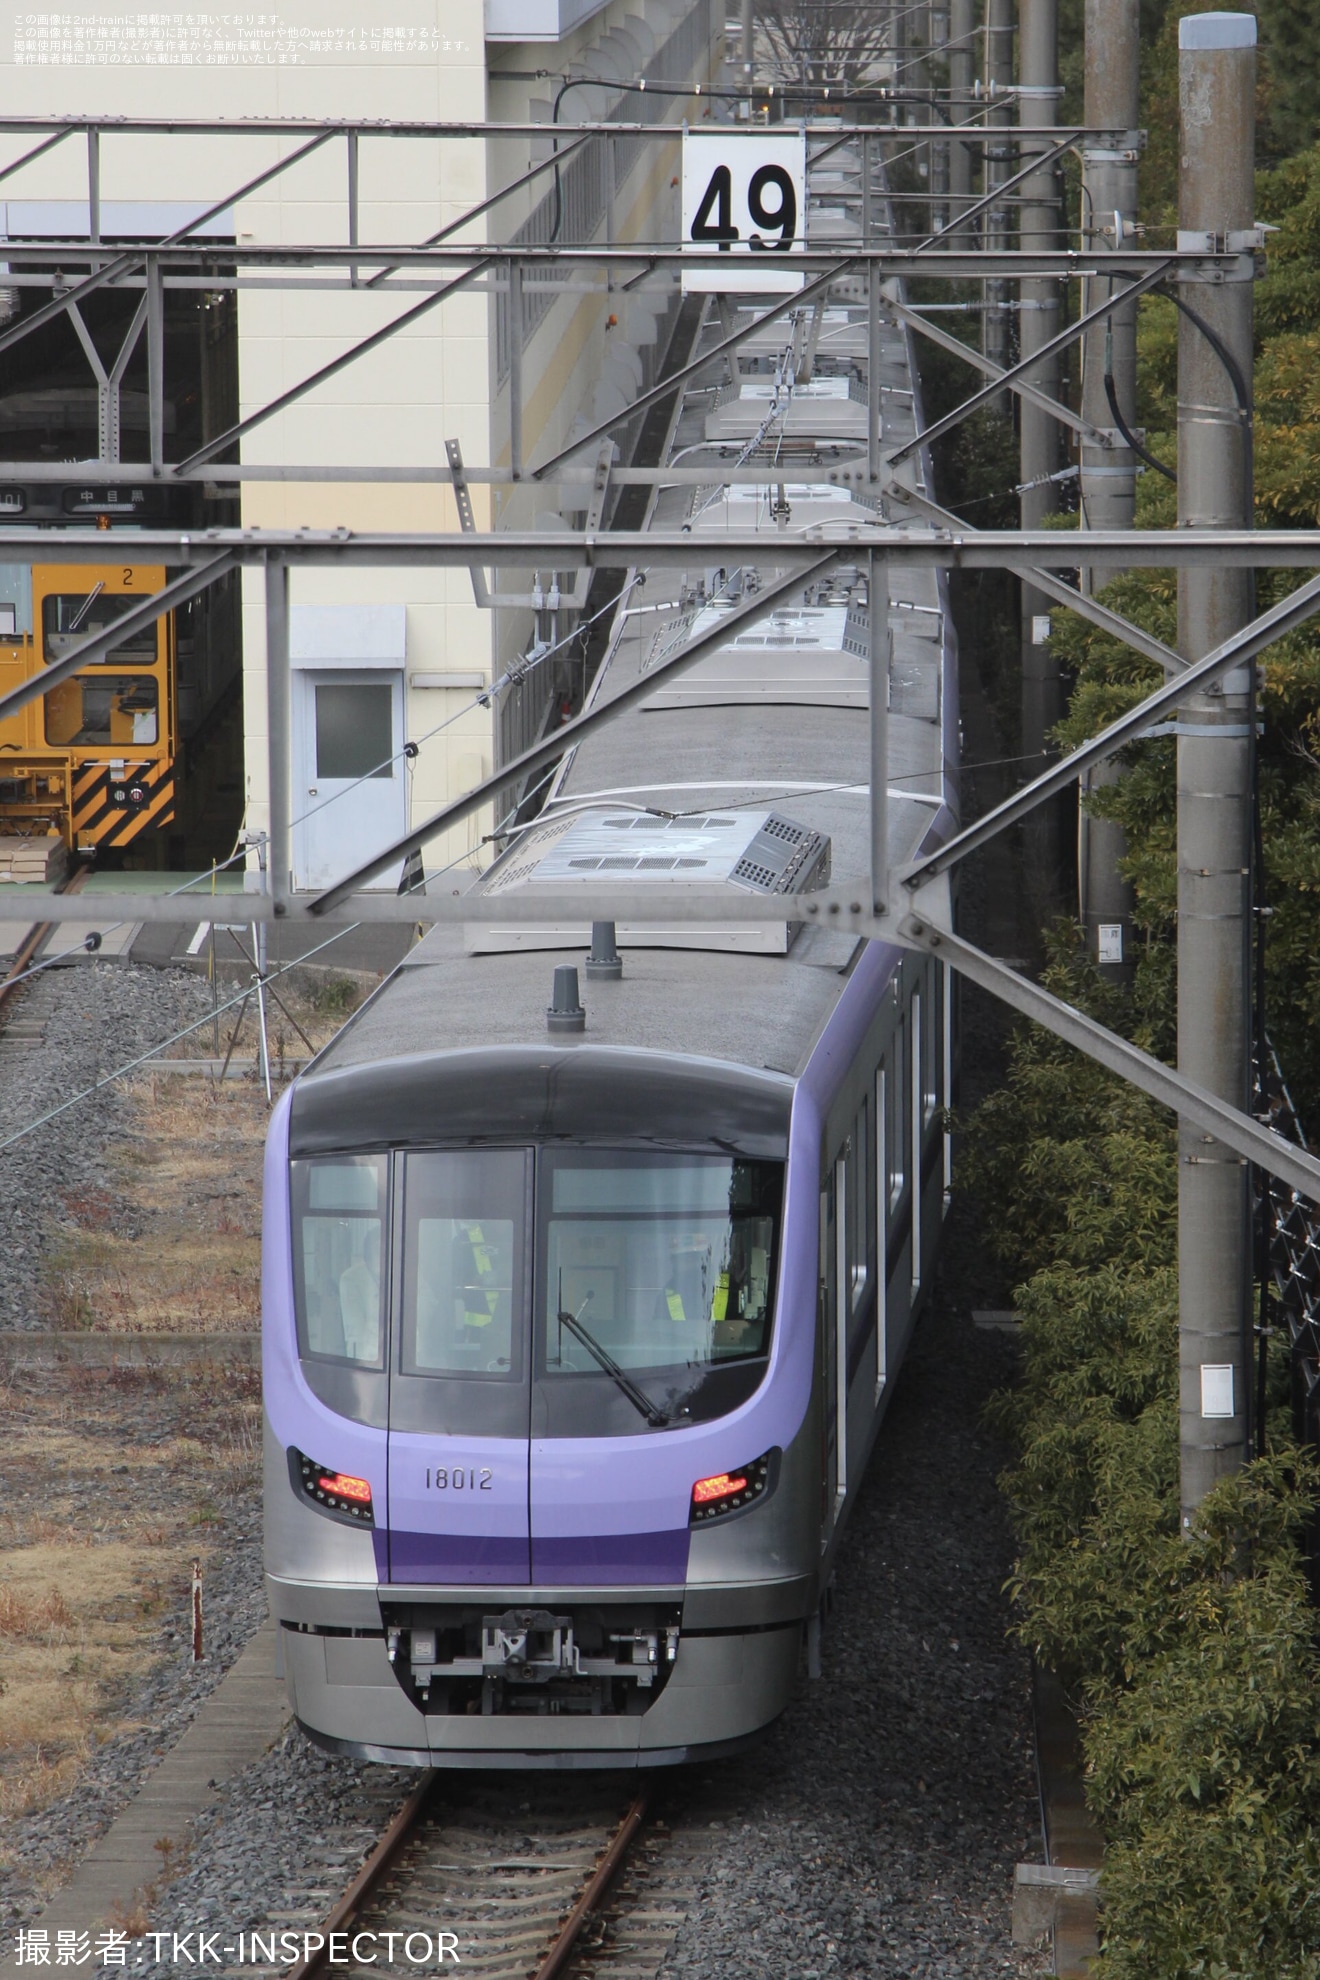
(640, 1402)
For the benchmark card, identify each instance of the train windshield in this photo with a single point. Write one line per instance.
(657, 1282)
(69, 616)
(463, 1248)
(578, 1292)
(339, 1215)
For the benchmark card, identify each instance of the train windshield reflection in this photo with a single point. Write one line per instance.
(666, 1261)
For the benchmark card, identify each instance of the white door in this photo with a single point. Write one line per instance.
(350, 788)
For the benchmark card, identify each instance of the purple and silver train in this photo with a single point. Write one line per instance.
(577, 1344)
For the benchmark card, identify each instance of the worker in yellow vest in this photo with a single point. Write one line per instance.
(480, 1300)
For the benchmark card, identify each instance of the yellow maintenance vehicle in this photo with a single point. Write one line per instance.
(92, 763)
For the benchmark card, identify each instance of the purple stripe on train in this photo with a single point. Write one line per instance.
(611, 1559)
(458, 1558)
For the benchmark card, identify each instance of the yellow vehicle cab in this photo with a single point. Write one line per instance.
(94, 759)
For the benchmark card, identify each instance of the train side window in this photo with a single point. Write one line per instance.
(920, 1026)
(339, 1285)
(859, 1207)
(932, 1039)
(896, 1117)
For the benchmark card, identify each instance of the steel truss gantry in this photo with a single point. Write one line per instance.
(911, 907)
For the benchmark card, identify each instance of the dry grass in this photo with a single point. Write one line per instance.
(113, 1481)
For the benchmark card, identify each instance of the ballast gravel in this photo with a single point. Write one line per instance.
(90, 1019)
(874, 1832)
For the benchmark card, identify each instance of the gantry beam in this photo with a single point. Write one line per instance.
(916, 547)
(1242, 646)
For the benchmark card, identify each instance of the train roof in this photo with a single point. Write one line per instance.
(745, 749)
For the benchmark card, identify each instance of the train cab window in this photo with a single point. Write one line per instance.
(658, 1276)
(119, 710)
(338, 1214)
(70, 616)
(463, 1242)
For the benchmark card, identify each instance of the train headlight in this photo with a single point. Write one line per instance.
(338, 1493)
(730, 1491)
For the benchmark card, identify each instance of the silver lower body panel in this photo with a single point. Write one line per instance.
(723, 1690)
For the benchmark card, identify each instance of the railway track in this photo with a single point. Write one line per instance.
(525, 1881)
(15, 1034)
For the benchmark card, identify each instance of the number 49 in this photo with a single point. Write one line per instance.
(713, 220)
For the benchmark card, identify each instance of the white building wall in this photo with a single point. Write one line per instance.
(423, 60)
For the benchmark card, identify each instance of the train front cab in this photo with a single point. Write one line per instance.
(601, 1590)
(541, 1477)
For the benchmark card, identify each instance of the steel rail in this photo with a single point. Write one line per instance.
(557, 1957)
(401, 1828)
(382, 1856)
(26, 953)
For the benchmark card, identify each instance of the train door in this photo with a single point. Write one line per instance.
(459, 1391)
(350, 790)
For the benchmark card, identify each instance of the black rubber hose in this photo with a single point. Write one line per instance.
(1138, 447)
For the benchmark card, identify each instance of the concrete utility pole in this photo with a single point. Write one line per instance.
(1108, 474)
(996, 338)
(1217, 95)
(1038, 322)
(748, 42)
(962, 72)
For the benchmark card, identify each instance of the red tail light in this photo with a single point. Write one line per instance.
(730, 1491)
(337, 1493)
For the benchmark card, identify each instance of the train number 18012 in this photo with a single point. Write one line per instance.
(456, 1478)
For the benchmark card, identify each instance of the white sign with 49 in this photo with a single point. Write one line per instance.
(744, 195)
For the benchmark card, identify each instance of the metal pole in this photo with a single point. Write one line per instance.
(277, 730)
(515, 368)
(1038, 324)
(939, 151)
(996, 338)
(1108, 473)
(748, 44)
(1109, 216)
(354, 199)
(93, 184)
(155, 363)
(873, 377)
(877, 604)
(962, 30)
(1216, 92)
